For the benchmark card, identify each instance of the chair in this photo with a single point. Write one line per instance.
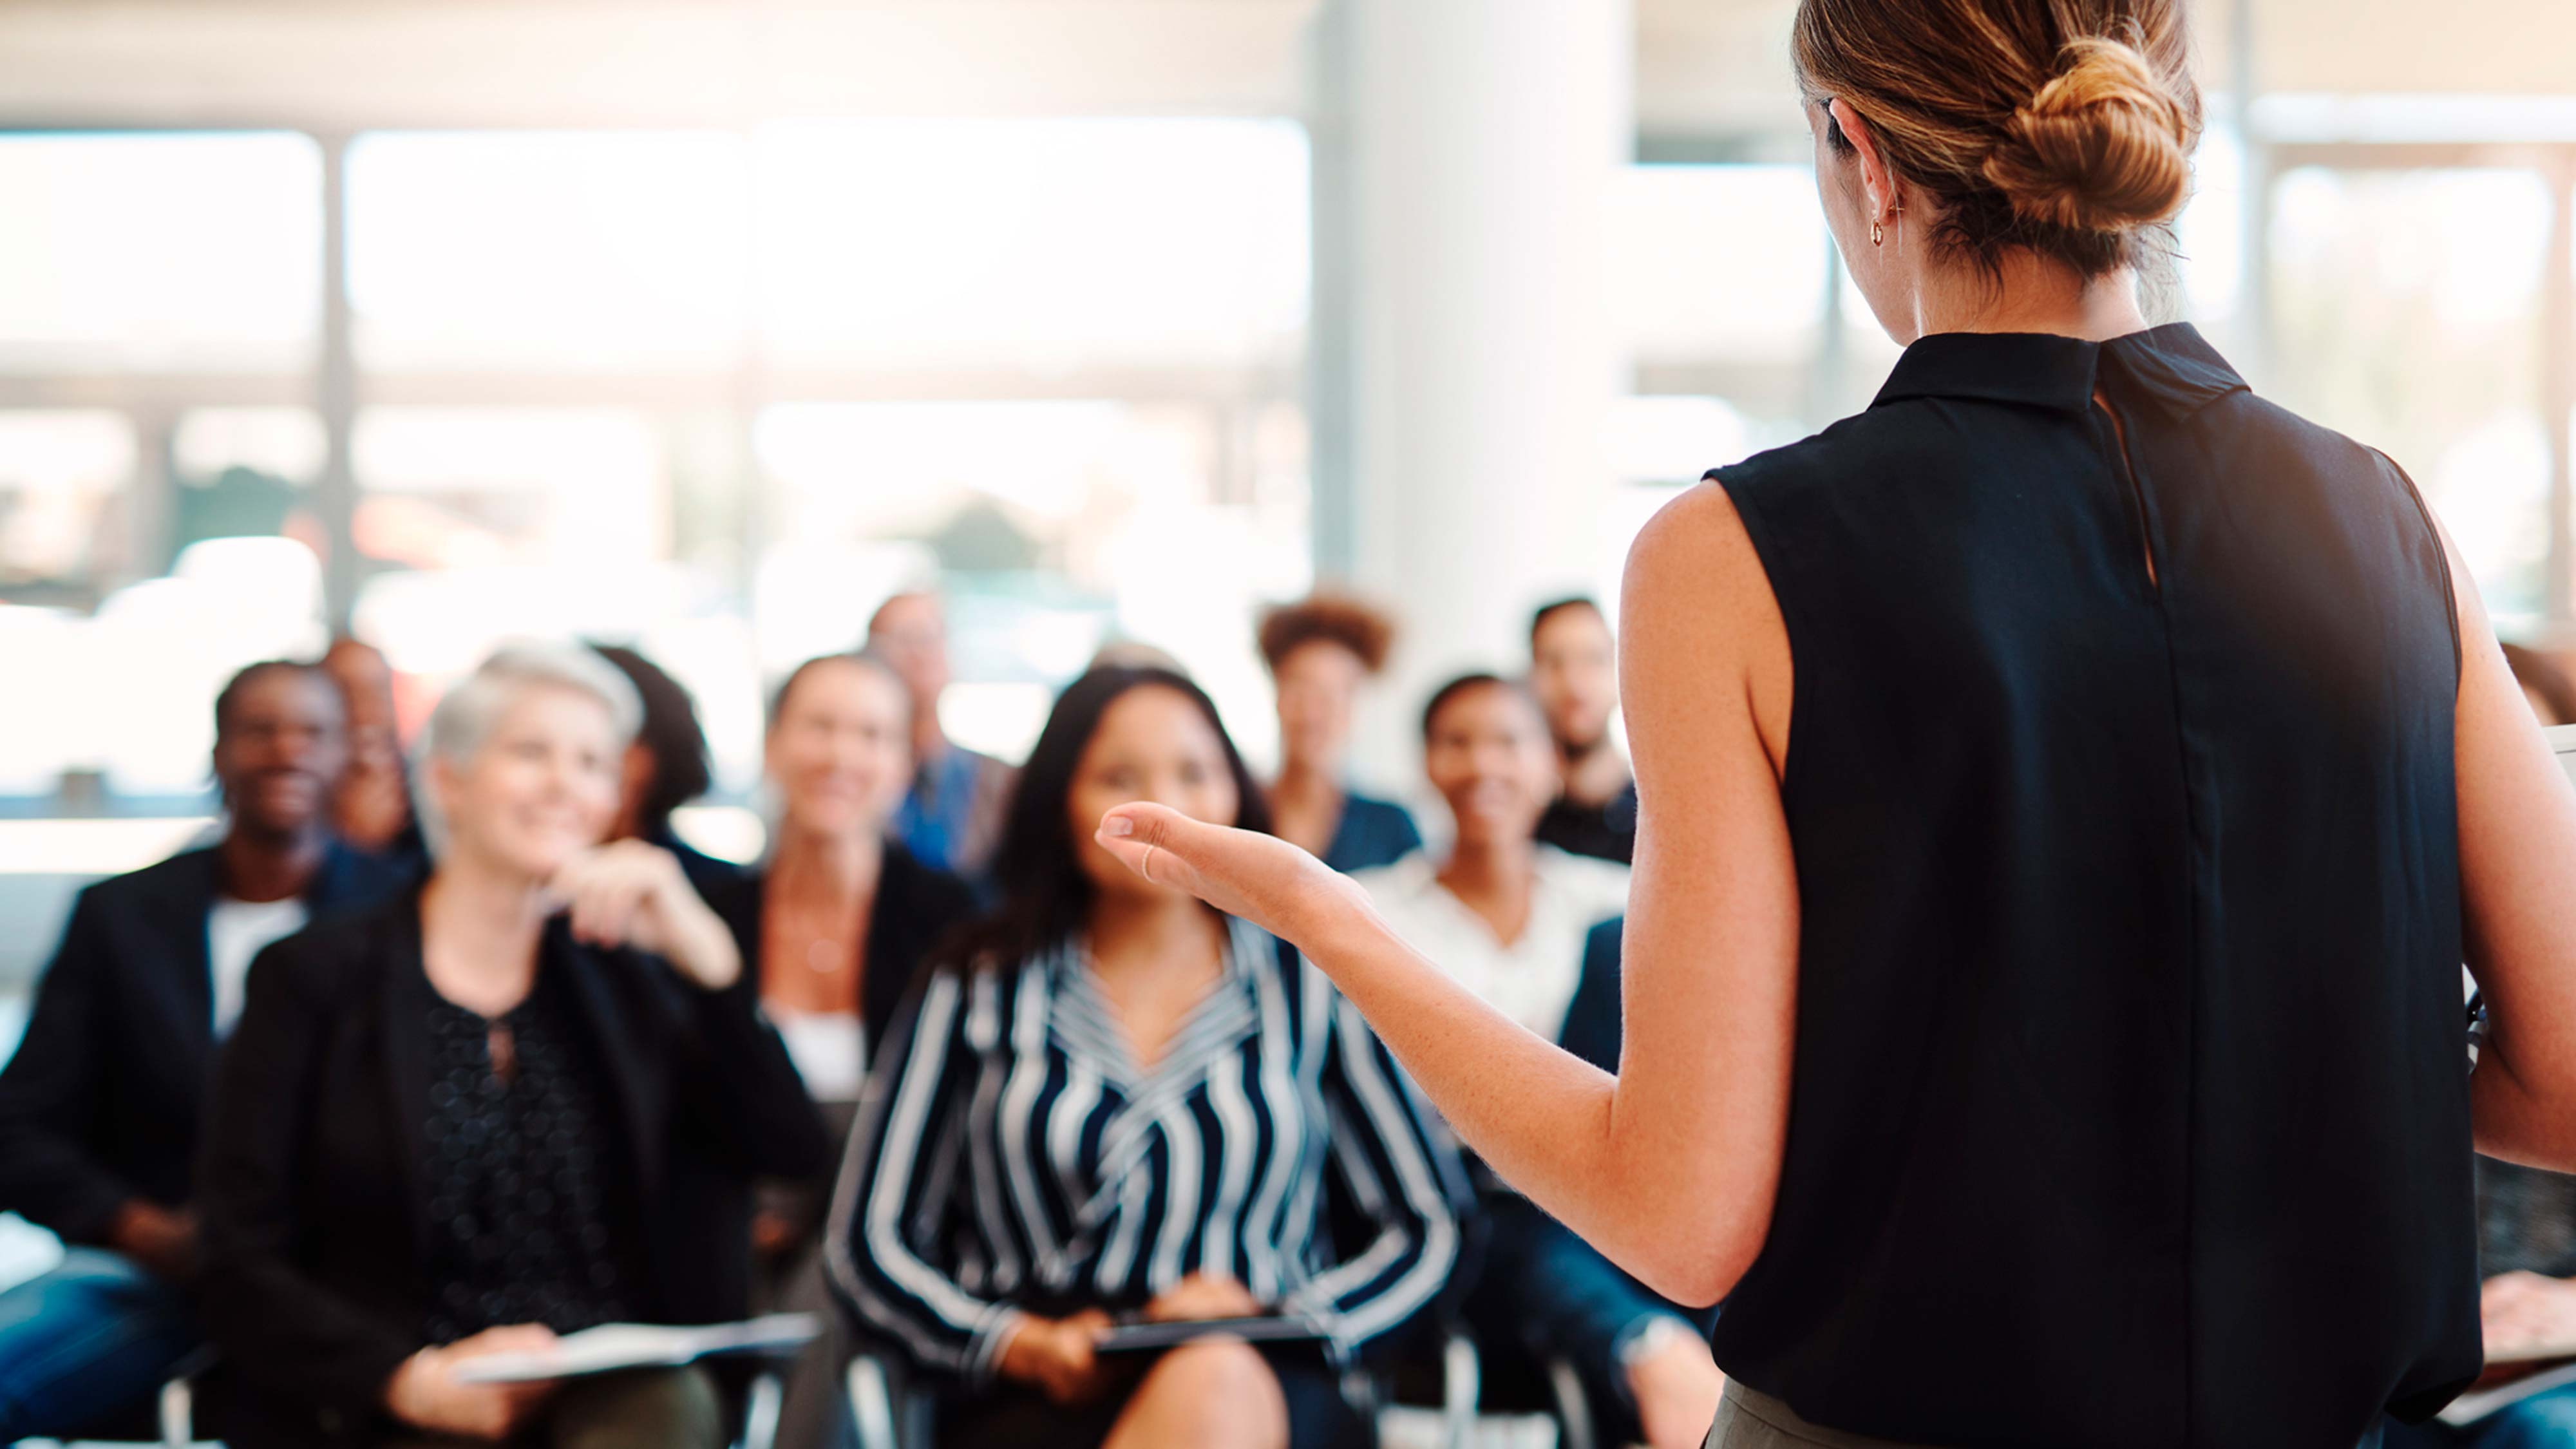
(888, 1411)
(1471, 1399)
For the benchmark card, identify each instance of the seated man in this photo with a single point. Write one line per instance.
(99, 1108)
(1574, 676)
(951, 819)
(1535, 930)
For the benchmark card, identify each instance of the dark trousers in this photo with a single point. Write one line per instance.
(86, 1342)
(1550, 1295)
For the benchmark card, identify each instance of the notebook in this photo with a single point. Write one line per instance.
(615, 1346)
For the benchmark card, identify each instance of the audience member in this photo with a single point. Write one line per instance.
(1574, 672)
(1320, 651)
(666, 767)
(373, 811)
(444, 1126)
(833, 928)
(1515, 919)
(99, 1108)
(951, 818)
(1110, 1100)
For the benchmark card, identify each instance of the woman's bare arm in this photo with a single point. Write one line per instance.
(2518, 901)
(1671, 1167)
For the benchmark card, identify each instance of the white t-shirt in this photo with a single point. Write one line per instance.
(827, 1048)
(235, 932)
(1532, 980)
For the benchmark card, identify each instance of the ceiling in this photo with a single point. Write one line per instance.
(1704, 67)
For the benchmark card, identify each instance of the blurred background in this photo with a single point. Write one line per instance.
(703, 326)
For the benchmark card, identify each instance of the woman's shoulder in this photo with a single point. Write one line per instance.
(1882, 442)
(977, 998)
(1373, 810)
(338, 957)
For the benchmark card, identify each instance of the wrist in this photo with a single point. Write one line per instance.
(401, 1395)
(1328, 926)
(1021, 1341)
(701, 950)
(139, 1226)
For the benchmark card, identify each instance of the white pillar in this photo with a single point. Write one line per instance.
(1480, 139)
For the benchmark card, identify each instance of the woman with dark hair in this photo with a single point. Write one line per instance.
(2075, 784)
(1109, 1100)
(832, 926)
(1513, 918)
(1320, 651)
(666, 766)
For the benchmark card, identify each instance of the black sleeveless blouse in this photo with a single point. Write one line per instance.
(2130, 1103)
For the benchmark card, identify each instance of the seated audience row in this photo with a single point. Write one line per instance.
(1322, 649)
(645, 1032)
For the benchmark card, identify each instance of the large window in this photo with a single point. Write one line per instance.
(711, 392)
(159, 252)
(1042, 244)
(608, 252)
(2408, 313)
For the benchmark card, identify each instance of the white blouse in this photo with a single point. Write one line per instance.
(1532, 980)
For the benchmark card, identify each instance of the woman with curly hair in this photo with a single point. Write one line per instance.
(1320, 651)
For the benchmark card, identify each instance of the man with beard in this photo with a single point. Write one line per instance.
(1574, 673)
(99, 1108)
(952, 817)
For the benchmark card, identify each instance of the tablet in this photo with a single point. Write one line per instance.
(1155, 1337)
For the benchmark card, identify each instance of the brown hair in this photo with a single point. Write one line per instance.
(2061, 126)
(1331, 619)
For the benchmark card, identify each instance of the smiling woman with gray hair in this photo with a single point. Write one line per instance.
(448, 1126)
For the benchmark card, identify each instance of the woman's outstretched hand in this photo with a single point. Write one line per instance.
(1260, 878)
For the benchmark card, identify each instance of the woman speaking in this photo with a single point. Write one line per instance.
(2068, 791)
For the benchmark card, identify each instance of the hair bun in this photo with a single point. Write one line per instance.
(2104, 146)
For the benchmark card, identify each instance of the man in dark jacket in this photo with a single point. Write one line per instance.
(99, 1108)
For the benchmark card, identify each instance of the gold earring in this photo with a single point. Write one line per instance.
(1877, 234)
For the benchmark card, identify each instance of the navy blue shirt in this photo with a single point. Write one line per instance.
(1371, 833)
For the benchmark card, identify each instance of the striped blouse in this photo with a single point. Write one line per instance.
(1012, 1157)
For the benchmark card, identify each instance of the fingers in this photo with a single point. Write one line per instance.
(1145, 839)
(605, 893)
(508, 1338)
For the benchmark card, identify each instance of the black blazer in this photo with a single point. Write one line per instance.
(1593, 1026)
(916, 905)
(311, 1180)
(101, 1103)
(706, 873)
